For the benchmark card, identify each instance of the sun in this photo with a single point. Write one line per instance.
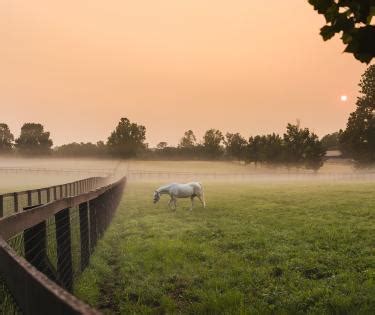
(343, 98)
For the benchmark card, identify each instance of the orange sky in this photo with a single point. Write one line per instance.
(247, 66)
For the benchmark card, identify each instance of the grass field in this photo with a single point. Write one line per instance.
(275, 248)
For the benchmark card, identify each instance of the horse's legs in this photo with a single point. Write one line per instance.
(169, 203)
(192, 203)
(175, 203)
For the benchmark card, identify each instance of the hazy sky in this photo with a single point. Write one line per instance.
(247, 66)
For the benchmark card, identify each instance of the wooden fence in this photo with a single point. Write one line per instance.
(45, 247)
(12, 202)
(256, 177)
(92, 171)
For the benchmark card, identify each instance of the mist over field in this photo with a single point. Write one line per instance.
(30, 173)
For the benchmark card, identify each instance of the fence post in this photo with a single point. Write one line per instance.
(48, 195)
(29, 198)
(84, 233)
(35, 244)
(15, 197)
(54, 193)
(101, 208)
(64, 250)
(39, 196)
(93, 223)
(1, 206)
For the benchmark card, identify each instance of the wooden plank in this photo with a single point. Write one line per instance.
(29, 198)
(64, 249)
(39, 196)
(1, 206)
(35, 190)
(15, 198)
(16, 223)
(93, 204)
(84, 234)
(37, 295)
(48, 194)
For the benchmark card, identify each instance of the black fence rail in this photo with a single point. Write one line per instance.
(282, 176)
(15, 201)
(44, 248)
(92, 171)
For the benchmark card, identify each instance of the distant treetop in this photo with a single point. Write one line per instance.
(6, 139)
(34, 140)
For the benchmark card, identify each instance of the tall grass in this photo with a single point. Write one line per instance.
(291, 248)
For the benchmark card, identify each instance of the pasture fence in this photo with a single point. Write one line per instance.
(15, 201)
(256, 177)
(43, 170)
(46, 246)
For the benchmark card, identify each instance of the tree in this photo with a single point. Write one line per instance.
(302, 147)
(212, 141)
(6, 139)
(265, 149)
(188, 140)
(353, 18)
(235, 145)
(127, 140)
(272, 150)
(161, 145)
(331, 141)
(254, 150)
(81, 149)
(34, 140)
(358, 139)
(314, 153)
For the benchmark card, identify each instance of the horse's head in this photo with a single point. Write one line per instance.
(156, 196)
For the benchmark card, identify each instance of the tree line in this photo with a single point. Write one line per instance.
(33, 140)
(298, 146)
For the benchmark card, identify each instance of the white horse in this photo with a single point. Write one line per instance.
(189, 190)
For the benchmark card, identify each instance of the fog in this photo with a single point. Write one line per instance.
(21, 174)
(29, 173)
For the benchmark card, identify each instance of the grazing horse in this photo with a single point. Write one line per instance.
(189, 190)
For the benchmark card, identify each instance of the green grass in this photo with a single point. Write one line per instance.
(292, 248)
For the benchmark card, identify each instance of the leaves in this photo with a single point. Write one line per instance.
(352, 18)
(327, 32)
(322, 6)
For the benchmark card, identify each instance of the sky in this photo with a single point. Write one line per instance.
(243, 66)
